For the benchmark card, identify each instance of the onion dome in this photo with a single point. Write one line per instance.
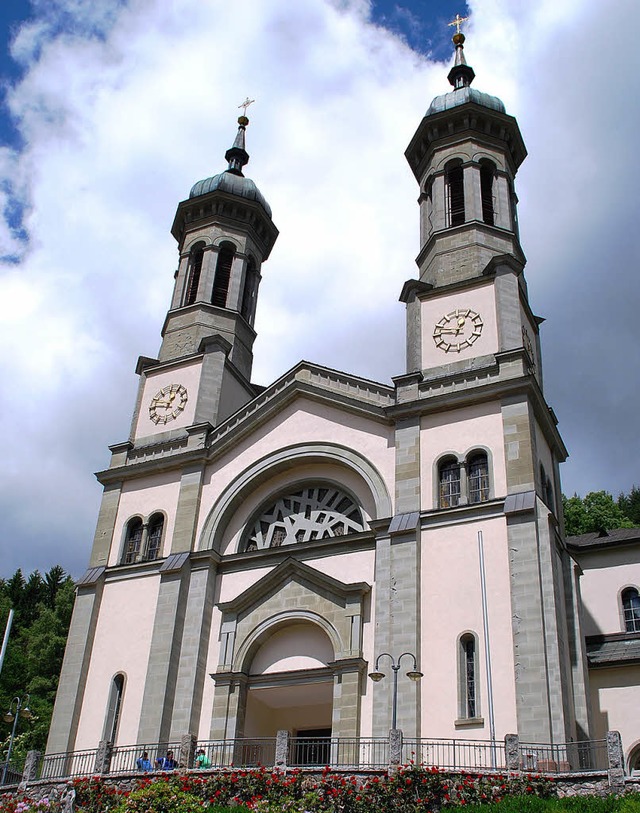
(461, 76)
(232, 180)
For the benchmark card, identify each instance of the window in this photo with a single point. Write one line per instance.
(468, 676)
(223, 275)
(631, 609)
(449, 484)
(156, 524)
(314, 512)
(195, 268)
(250, 290)
(478, 468)
(132, 542)
(454, 184)
(113, 709)
(487, 173)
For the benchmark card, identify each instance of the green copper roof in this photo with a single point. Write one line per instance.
(234, 185)
(463, 95)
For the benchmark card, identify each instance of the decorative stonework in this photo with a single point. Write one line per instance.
(314, 512)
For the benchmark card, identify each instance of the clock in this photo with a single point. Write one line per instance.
(167, 404)
(528, 346)
(457, 330)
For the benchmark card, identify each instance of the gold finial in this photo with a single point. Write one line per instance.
(246, 104)
(457, 21)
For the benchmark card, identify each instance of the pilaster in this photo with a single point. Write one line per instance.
(188, 509)
(103, 536)
(75, 667)
(194, 651)
(164, 657)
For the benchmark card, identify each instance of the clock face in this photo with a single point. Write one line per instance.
(457, 330)
(167, 404)
(528, 346)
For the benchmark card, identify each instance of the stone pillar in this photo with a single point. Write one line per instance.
(615, 757)
(187, 750)
(103, 757)
(207, 272)
(187, 510)
(395, 749)
(472, 201)
(282, 749)
(512, 752)
(30, 770)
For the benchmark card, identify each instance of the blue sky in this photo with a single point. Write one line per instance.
(117, 108)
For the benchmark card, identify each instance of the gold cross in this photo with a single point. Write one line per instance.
(457, 21)
(246, 104)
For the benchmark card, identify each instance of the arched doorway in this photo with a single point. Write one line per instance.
(290, 683)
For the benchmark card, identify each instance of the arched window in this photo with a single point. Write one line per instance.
(133, 538)
(113, 709)
(195, 268)
(487, 174)
(311, 513)
(250, 290)
(631, 609)
(454, 185)
(154, 540)
(547, 488)
(449, 479)
(478, 474)
(223, 275)
(468, 676)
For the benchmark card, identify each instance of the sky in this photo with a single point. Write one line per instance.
(112, 110)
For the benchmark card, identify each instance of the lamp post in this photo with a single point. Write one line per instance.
(413, 674)
(12, 716)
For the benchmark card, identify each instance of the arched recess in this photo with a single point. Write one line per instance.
(242, 486)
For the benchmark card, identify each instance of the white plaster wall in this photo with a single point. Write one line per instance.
(122, 644)
(301, 422)
(451, 604)
(143, 497)
(605, 574)
(186, 374)
(460, 431)
(482, 301)
(615, 699)
(230, 585)
(298, 646)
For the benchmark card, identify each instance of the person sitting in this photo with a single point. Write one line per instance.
(202, 760)
(167, 763)
(143, 762)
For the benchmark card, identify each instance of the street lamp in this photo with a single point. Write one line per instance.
(12, 716)
(413, 674)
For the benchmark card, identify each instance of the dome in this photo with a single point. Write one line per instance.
(463, 95)
(233, 184)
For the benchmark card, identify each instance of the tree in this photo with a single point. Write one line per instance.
(629, 504)
(596, 512)
(33, 660)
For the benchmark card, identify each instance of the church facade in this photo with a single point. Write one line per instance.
(259, 551)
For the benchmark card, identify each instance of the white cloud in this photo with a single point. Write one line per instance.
(122, 112)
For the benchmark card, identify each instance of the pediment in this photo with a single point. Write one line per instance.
(291, 570)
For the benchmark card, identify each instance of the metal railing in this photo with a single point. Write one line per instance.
(242, 753)
(128, 758)
(590, 755)
(70, 764)
(10, 773)
(455, 754)
(357, 752)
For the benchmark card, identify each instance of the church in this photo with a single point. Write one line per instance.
(261, 552)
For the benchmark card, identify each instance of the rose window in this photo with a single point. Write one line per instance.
(317, 512)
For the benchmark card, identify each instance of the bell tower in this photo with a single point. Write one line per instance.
(465, 155)
(224, 232)
(471, 403)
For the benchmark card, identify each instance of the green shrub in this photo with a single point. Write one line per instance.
(159, 797)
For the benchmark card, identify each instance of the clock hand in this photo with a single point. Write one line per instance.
(166, 404)
(454, 330)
